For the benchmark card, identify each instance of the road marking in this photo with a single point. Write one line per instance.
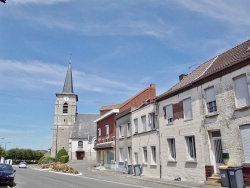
(113, 182)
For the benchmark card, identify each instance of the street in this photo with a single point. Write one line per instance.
(31, 177)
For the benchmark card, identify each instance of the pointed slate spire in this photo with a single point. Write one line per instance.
(68, 84)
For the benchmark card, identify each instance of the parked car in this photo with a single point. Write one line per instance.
(7, 175)
(23, 165)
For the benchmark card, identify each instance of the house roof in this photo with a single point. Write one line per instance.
(110, 107)
(130, 99)
(84, 126)
(218, 63)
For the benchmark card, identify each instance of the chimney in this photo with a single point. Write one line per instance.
(182, 76)
(152, 85)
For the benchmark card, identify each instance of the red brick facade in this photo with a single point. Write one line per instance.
(110, 120)
(147, 94)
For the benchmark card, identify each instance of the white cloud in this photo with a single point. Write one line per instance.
(231, 11)
(34, 75)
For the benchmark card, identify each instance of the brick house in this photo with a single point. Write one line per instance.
(106, 134)
(205, 115)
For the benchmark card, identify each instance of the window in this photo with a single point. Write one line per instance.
(129, 155)
(143, 120)
(136, 157)
(152, 121)
(107, 131)
(80, 144)
(187, 105)
(241, 92)
(170, 116)
(145, 156)
(172, 150)
(121, 152)
(121, 130)
(128, 130)
(99, 133)
(211, 100)
(136, 125)
(65, 108)
(153, 155)
(245, 132)
(191, 147)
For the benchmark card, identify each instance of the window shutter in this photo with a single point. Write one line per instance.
(178, 110)
(187, 105)
(241, 91)
(169, 109)
(210, 94)
(245, 132)
(165, 112)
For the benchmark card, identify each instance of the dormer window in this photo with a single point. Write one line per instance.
(65, 108)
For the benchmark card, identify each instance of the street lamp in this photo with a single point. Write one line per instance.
(5, 144)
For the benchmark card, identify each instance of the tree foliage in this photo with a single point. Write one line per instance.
(23, 154)
(60, 153)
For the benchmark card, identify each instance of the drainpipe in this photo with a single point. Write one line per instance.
(158, 132)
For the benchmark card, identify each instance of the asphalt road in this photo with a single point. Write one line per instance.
(33, 178)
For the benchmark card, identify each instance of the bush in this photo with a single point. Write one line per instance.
(60, 153)
(44, 160)
(64, 159)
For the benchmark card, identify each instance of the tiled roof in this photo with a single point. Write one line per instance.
(110, 107)
(84, 126)
(230, 57)
(218, 63)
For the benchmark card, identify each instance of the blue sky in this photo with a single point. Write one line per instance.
(118, 48)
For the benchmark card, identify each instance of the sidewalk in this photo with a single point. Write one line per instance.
(181, 184)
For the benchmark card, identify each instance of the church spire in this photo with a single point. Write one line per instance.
(68, 84)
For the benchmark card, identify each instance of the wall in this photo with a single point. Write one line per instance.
(145, 139)
(188, 170)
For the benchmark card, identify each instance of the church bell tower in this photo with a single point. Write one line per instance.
(65, 115)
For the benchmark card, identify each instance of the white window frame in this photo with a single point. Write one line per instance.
(187, 108)
(152, 122)
(211, 100)
(121, 152)
(136, 125)
(144, 123)
(172, 148)
(170, 113)
(128, 129)
(99, 133)
(191, 147)
(80, 146)
(136, 158)
(242, 98)
(245, 131)
(153, 155)
(121, 131)
(107, 131)
(145, 155)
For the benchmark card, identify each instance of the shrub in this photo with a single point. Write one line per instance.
(60, 153)
(44, 160)
(64, 159)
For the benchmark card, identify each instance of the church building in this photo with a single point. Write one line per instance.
(72, 131)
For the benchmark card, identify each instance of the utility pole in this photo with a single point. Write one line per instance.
(5, 144)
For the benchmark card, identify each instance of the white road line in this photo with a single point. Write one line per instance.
(113, 182)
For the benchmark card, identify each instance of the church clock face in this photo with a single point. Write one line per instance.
(65, 98)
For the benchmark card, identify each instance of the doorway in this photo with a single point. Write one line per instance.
(217, 151)
(80, 155)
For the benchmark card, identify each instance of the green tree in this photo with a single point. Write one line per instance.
(60, 153)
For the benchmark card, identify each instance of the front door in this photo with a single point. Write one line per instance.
(80, 155)
(217, 151)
